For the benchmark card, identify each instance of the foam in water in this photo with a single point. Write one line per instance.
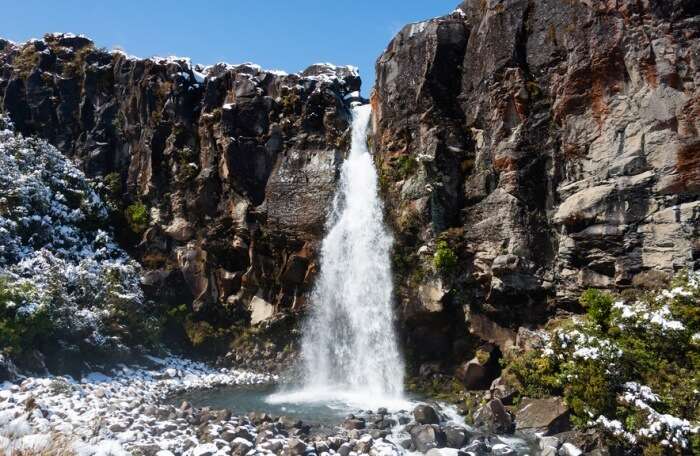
(349, 346)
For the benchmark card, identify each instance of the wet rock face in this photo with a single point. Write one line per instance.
(233, 166)
(552, 145)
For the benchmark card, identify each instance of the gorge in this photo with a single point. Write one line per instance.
(521, 244)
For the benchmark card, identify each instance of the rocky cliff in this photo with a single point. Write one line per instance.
(532, 149)
(219, 177)
(527, 150)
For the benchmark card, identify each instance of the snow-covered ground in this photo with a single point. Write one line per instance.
(113, 414)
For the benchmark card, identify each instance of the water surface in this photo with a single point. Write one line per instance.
(316, 408)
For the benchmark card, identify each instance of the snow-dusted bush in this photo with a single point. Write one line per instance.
(630, 367)
(64, 283)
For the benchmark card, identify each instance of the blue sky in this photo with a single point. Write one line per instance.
(277, 34)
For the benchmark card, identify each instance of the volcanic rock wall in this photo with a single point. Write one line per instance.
(220, 177)
(548, 146)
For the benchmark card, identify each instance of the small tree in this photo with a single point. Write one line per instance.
(598, 305)
(137, 216)
(445, 259)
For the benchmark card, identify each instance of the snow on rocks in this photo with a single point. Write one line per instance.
(117, 413)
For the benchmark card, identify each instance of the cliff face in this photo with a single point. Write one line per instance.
(220, 177)
(532, 149)
(527, 150)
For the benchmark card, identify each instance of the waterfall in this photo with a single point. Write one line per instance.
(349, 345)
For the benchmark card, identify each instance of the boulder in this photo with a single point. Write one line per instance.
(289, 422)
(490, 331)
(354, 423)
(118, 427)
(479, 372)
(547, 416)
(321, 447)
(344, 449)
(426, 437)
(548, 446)
(243, 433)
(502, 391)
(228, 435)
(569, 449)
(493, 417)
(260, 310)
(425, 414)
(477, 447)
(180, 230)
(295, 447)
(586, 440)
(207, 449)
(455, 436)
(364, 444)
(241, 447)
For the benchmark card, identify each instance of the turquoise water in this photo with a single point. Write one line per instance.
(324, 411)
(253, 398)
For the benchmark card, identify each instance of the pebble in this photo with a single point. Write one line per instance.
(125, 414)
(118, 414)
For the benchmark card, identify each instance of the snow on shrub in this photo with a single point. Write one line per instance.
(63, 280)
(630, 366)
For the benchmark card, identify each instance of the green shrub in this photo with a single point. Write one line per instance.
(20, 330)
(208, 338)
(444, 259)
(631, 366)
(199, 332)
(598, 305)
(113, 183)
(137, 217)
(532, 374)
(404, 167)
(590, 389)
(483, 356)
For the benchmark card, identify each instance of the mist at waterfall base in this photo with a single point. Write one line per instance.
(349, 349)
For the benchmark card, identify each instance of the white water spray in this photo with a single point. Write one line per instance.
(349, 346)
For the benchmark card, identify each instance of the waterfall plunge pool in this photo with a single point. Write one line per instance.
(324, 411)
(317, 408)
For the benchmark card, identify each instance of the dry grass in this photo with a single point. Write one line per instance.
(58, 445)
(26, 60)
